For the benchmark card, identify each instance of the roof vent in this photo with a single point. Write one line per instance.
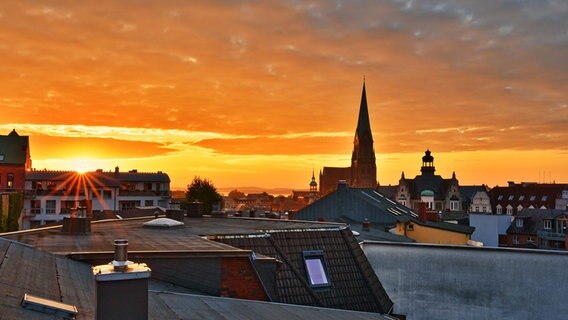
(165, 223)
(49, 306)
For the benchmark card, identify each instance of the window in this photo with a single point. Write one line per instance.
(509, 210)
(107, 194)
(1, 157)
(544, 198)
(547, 224)
(50, 207)
(10, 181)
(519, 223)
(149, 203)
(499, 209)
(530, 239)
(403, 202)
(521, 198)
(515, 239)
(500, 197)
(454, 205)
(315, 269)
(519, 208)
(511, 197)
(532, 198)
(410, 227)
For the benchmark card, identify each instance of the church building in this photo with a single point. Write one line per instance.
(363, 170)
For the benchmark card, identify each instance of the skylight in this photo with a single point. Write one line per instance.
(315, 269)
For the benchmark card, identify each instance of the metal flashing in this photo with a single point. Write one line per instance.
(48, 306)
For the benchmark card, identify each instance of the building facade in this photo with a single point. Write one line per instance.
(52, 195)
(515, 197)
(363, 170)
(15, 160)
(438, 193)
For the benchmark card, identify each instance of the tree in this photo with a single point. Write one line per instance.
(203, 190)
(236, 194)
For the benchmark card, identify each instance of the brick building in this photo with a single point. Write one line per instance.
(15, 160)
(363, 170)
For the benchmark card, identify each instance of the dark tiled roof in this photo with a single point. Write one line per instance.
(526, 195)
(26, 270)
(533, 220)
(14, 148)
(97, 178)
(356, 204)
(388, 191)
(434, 183)
(469, 191)
(103, 234)
(164, 305)
(354, 285)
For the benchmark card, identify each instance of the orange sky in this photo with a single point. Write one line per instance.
(259, 93)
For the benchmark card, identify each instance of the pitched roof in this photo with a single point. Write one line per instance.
(533, 220)
(97, 178)
(276, 239)
(24, 269)
(166, 305)
(526, 195)
(357, 204)
(355, 287)
(363, 122)
(14, 148)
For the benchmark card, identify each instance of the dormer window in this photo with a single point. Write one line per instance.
(547, 224)
(316, 270)
(509, 210)
(533, 198)
(521, 198)
(500, 197)
(519, 223)
(511, 197)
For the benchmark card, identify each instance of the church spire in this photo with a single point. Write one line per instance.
(363, 124)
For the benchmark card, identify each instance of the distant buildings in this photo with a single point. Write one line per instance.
(378, 215)
(438, 193)
(51, 195)
(515, 197)
(363, 170)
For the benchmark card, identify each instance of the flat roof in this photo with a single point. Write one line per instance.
(187, 238)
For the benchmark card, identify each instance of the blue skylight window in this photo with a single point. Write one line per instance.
(316, 270)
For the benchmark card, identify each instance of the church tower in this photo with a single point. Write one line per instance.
(363, 164)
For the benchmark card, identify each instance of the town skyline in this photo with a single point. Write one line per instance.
(261, 94)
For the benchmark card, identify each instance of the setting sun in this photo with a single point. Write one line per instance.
(198, 90)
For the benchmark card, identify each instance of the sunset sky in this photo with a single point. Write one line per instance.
(257, 93)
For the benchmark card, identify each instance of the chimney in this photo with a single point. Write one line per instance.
(121, 286)
(78, 223)
(341, 185)
(366, 225)
(116, 170)
(422, 211)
